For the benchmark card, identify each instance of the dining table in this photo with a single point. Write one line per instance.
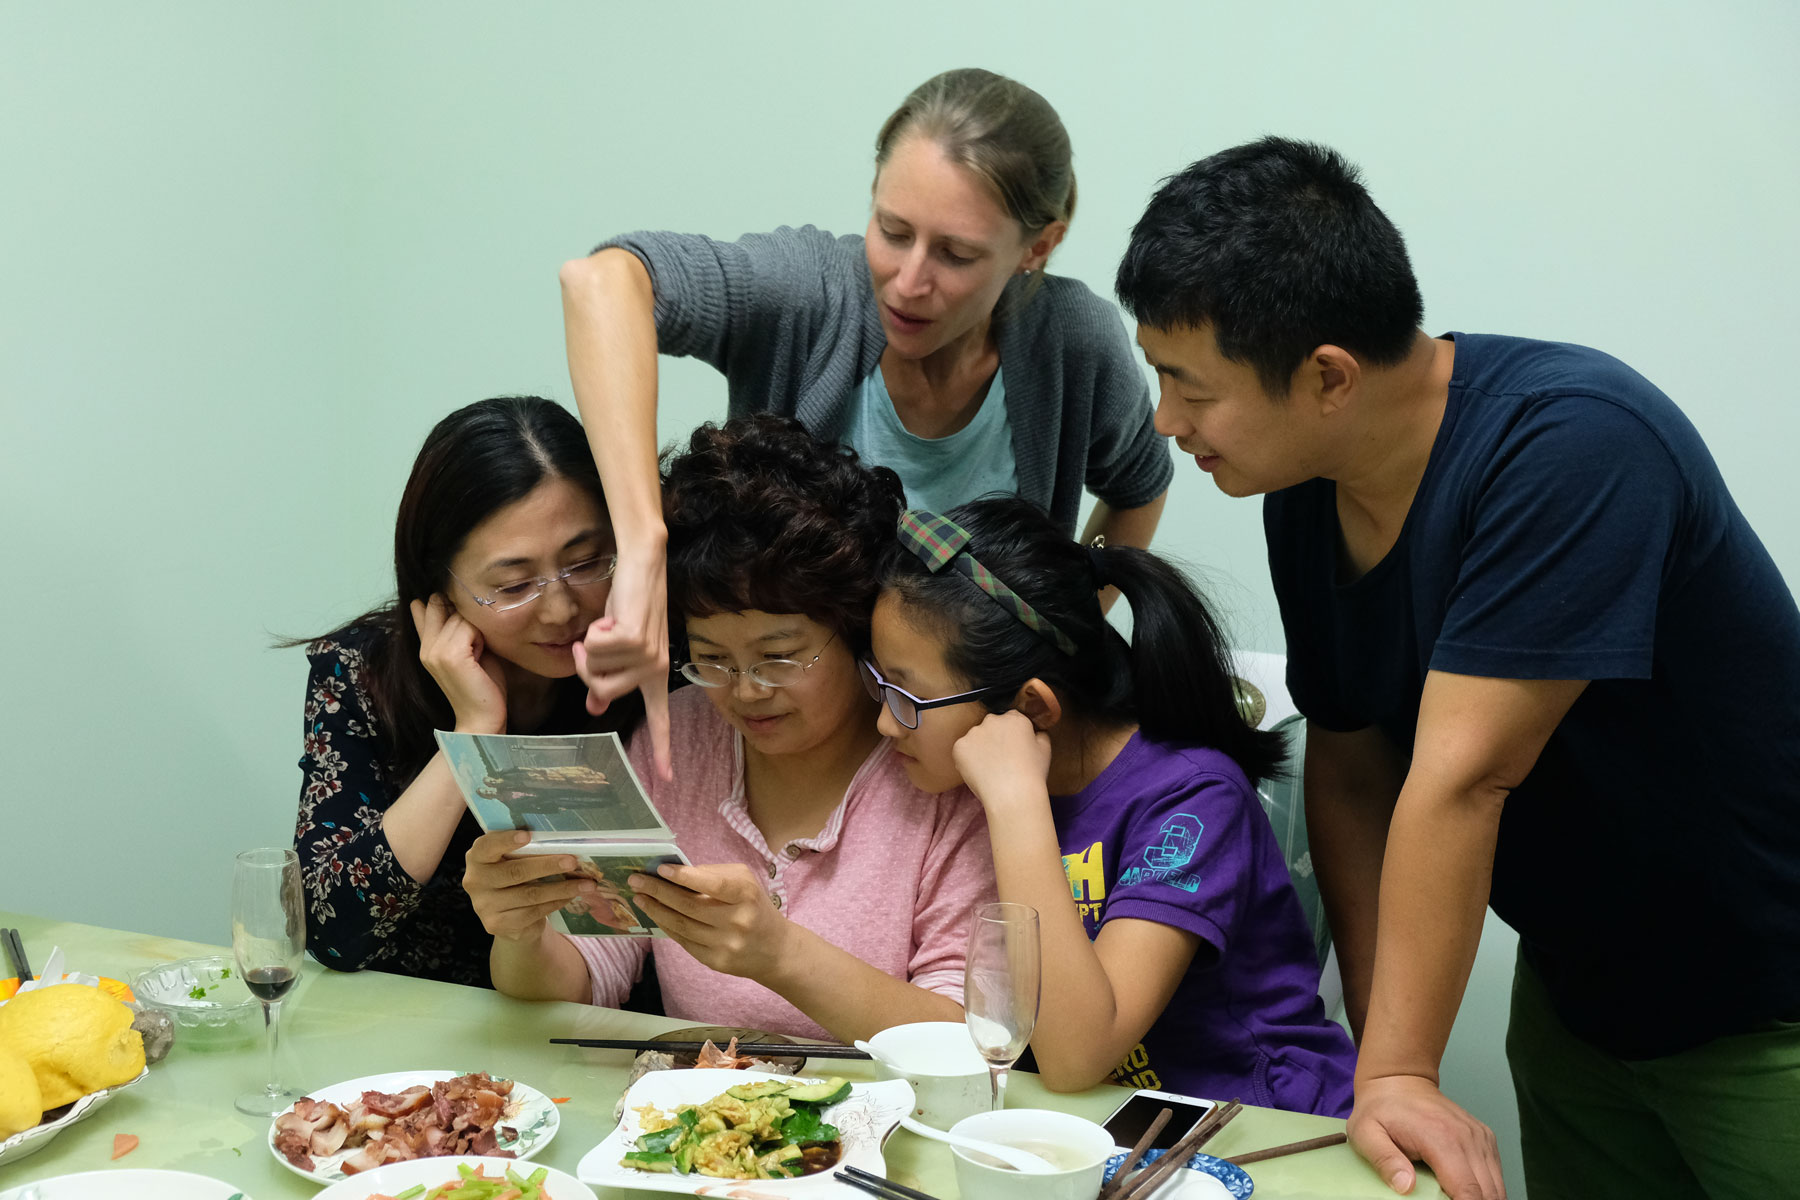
(338, 1026)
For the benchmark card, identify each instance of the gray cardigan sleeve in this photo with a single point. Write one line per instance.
(1128, 462)
(1080, 407)
(766, 310)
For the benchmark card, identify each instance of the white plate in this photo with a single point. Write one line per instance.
(535, 1121)
(397, 1177)
(864, 1120)
(30, 1141)
(136, 1184)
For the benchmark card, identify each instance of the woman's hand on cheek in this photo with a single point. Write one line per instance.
(1004, 761)
(454, 653)
(721, 915)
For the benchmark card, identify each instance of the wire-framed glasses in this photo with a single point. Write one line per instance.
(905, 706)
(770, 672)
(585, 573)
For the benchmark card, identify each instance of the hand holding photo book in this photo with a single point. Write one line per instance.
(575, 795)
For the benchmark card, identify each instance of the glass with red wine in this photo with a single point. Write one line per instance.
(268, 939)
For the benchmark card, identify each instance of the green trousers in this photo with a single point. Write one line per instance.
(1719, 1121)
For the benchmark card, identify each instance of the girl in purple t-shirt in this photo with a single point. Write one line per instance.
(1118, 784)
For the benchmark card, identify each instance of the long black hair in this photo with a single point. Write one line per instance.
(475, 461)
(1173, 680)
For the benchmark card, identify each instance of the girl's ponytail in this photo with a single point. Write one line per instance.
(1182, 689)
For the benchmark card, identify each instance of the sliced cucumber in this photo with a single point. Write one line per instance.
(832, 1091)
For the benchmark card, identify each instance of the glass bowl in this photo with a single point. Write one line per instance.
(203, 996)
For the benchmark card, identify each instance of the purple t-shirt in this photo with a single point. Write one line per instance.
(1176, 835)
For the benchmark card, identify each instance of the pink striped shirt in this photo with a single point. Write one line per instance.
(891, 878)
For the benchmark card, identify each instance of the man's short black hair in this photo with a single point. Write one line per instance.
(1277, 247)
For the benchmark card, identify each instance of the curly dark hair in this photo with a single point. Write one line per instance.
(763, 515)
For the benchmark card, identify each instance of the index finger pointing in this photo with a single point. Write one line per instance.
(656, 715)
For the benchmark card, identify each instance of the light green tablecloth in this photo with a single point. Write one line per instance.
(338, 1027)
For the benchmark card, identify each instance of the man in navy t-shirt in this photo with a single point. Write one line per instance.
(1546, 664)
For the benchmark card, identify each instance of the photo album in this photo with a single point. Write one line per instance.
(576, 795)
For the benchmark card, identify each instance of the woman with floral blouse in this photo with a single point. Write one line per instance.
(503, 556)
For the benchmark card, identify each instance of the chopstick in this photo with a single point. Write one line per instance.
(1131, 1160)
(1318, 1143)
(757, 1049)
(1151, 1177)
(15, 953)
(875, 1185)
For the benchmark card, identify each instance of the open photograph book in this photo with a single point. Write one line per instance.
(576, 794)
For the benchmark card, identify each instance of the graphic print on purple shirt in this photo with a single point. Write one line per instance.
(1175, 835)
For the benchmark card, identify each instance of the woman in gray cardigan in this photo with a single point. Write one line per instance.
(934, 344)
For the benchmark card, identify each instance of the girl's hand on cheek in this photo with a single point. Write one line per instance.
(1004, 760)
(455, 654)
(719, 914)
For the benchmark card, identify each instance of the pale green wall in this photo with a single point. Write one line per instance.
(252, 251)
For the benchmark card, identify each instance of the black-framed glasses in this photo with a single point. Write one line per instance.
(905, 706)
(770, 672)
(585, 573)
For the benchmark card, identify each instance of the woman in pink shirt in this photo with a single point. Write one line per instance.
(835, 896)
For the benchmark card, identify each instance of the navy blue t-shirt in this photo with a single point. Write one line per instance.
(1572, 525)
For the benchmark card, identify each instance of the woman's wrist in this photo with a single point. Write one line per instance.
(643, 542)
(792, 959)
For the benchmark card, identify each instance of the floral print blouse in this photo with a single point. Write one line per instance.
(362, 908)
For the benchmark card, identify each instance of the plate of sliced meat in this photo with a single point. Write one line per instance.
(354, 1126)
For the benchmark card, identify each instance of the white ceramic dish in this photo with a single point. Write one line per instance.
(535, 1121)
(30, 1141)
(1203, 1178)
(138, 1185)
(864, 1120)
(397, 1177)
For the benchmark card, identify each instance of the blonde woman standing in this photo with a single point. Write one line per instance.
(933, 344)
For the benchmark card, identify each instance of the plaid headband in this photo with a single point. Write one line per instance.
(940, 542)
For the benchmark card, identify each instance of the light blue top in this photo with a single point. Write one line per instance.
(939, 473)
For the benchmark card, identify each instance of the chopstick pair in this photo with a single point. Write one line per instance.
(1151, 1177)
(876, 1185)
(15, 954)
(754, 1049)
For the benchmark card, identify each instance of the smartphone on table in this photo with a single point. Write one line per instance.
(1129, 1121)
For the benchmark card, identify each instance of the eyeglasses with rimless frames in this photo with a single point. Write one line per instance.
(905, 706)
(585, 573)
(770, 672)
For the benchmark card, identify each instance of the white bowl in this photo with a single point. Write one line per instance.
(949, 1077)
(1080, 1147)
(203, 996)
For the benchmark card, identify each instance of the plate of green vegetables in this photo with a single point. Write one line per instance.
(689, 1131)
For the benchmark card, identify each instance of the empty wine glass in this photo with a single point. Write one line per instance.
(1001, 979)
(268, 938)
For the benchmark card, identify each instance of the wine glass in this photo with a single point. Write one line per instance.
(268, 938)
(1001, 979)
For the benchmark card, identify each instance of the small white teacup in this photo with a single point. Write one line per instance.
(948, 1076)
